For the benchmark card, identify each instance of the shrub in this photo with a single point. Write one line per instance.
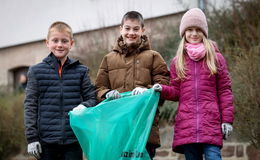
(170, 45)
(12, 137)
(167, 113)
(247, 93)
(237, 26)
(237, 31)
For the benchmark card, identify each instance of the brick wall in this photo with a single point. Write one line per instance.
(230, 151)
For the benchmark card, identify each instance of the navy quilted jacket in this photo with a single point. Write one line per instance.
(49, 98)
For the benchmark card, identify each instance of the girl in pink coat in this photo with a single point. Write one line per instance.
(200, 82)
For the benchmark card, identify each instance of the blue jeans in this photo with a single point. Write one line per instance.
(61, 152)
(195, 151)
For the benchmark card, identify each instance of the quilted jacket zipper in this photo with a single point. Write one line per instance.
(196, 100)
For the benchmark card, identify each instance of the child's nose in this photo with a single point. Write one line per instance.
(59, 43)
(194, 32)
(131, 31)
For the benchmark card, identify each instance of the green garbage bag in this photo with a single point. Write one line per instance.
(116, 129)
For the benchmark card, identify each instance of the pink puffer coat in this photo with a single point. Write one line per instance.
(205, 101)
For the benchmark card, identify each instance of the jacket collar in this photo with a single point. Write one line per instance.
(121, 47)
(53, 61)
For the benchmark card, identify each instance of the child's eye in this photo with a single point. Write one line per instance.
(127, 29)
(55, 40)
(198, 30)
(64, 41)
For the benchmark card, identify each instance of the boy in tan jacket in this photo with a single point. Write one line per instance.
(132, 65)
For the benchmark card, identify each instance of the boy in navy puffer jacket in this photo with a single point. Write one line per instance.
(56, 86)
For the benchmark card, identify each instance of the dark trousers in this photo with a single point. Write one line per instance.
(61, 152)
(151, 149)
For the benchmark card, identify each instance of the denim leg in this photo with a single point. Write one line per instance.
(212, 152)
(193, 151)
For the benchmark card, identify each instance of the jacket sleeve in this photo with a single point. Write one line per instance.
(88, 92)
(171, 92)
(31, 108)
(102, 81)
(225, 96)
(160, 72)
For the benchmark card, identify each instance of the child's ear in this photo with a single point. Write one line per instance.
(72, 42)
(143, 29)
(47, 42)
(120, 29)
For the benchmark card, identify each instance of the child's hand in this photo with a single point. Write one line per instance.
(157, 87)
(34, 149)
(79, 107)
(114, 94)
(138, 90)
(226, 130)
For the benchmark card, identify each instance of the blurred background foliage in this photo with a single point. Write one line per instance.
(12, 139)
(237, 32)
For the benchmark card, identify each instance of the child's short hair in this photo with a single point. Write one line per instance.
(134, 15)
(60, 27)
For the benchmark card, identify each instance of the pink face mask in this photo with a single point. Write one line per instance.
(196, 51)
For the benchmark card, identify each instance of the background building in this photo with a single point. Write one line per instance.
(95, 24)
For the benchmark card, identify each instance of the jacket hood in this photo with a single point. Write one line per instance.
(122, 48)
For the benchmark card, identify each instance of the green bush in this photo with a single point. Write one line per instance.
(167, 113)
(170, 45)
(12, 138)
(237, 26)
(247, 93)
(237, 31)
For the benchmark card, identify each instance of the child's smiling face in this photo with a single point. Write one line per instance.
(131, 31)
(193, 35)
(59, 43)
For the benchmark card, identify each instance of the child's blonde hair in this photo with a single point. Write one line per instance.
(210, 58)
(60, 27)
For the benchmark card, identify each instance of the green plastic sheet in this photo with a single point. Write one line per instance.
(116, 129)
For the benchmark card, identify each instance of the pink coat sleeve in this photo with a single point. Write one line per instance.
(225, 96)
(172, 91)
